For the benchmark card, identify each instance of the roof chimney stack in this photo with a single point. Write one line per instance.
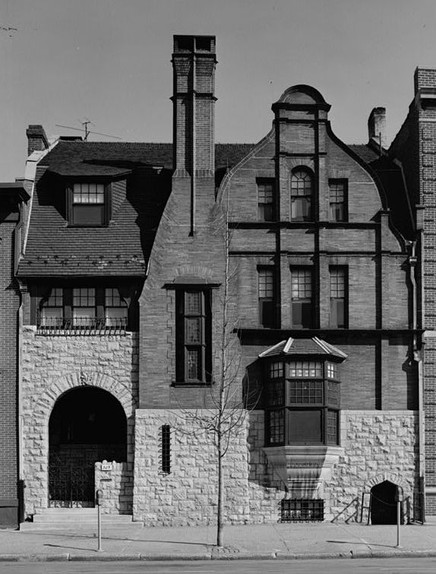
(377, 127)
(193, 99)
(36, 139)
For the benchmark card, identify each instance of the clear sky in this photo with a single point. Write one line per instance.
(64, 61)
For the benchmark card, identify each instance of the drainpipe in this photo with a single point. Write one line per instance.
(194, 142)
(418, 358)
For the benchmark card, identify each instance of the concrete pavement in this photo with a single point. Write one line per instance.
(276, 541)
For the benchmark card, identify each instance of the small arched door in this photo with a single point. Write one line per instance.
(383, 503)
(86, 425)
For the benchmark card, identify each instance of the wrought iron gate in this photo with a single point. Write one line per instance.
(70, 485)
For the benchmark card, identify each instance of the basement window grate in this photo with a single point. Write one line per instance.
(166, 449)
(302, 510)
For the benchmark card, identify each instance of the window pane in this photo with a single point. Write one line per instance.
(302, 315)
(88, 214)
(334, 397)
(193, 360)
(301, 283)
(301, 195)
(337, 198)
(304, 426)
(332, 427)
(305, 369)
(265, 192)
(116, 317)
(51, 317)
(266, 283)
(193, 330)
(306, 392)
(276, 393)
(276, 370)
(84, 297)
(84, 317)
(276, 427)
(193, 301)
(332, 370)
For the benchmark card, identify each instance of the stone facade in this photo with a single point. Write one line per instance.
(52, 365)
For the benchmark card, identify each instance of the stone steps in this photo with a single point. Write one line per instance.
(77, 518)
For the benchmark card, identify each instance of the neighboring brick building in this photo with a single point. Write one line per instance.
(128, 251)
(12, 197)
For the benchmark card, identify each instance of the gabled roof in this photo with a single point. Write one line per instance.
(74, 158)
(312, 346)
(53, 249)
(391, 178)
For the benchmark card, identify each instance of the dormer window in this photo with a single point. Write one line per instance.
(88, 204)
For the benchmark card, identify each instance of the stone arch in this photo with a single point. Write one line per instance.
(387, 476)
(97, 379)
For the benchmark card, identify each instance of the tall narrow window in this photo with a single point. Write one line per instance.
(301, 195)
(115, 309)
(338, 200)
(51, 312)
(84, 308)
(166, 449)
(266, 200)
(193, 326)
(266, 292)
(338, 297)
(87, 204)
(301, 294)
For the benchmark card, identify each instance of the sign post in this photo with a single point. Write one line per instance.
(98, 500)
(399, 500)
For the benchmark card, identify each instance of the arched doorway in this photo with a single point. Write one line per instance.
(383, 503)
(86, 425)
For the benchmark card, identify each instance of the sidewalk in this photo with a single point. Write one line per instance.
(276, 541)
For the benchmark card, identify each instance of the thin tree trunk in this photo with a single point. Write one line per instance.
(219, 530)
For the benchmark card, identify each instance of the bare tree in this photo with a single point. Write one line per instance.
(226, 412)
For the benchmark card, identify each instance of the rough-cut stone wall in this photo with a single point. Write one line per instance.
(52, 365)
(115, 480)
(188, 494)
(378, 446)
(375, 445)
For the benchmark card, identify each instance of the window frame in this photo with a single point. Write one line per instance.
(333, 215)
(286, 411)
(102, 208)
(305, 304)
(266, 210)
(184, 346)
(335, 300)
(67, 320)
(302, 195)
(267, 321)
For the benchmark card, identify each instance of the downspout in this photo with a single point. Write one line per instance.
(418, 358)
(194, 144)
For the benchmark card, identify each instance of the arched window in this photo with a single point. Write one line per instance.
(301, 195)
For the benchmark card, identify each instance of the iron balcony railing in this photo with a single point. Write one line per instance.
(81, 325)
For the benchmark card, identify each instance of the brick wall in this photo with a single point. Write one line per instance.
(9, 303)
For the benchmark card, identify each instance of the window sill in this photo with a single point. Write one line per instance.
(193, 384)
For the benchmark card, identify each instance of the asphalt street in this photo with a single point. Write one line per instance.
(340, 566)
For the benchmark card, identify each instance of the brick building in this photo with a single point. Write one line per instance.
(12, 198)
(313, 247)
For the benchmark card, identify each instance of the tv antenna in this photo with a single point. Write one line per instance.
(87, 131)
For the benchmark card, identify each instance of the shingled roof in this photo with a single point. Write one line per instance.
(309, 346)
(123, 247)
(391, 178)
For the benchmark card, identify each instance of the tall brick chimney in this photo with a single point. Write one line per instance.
(377, 126)
(193, 99)
(36, 139)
